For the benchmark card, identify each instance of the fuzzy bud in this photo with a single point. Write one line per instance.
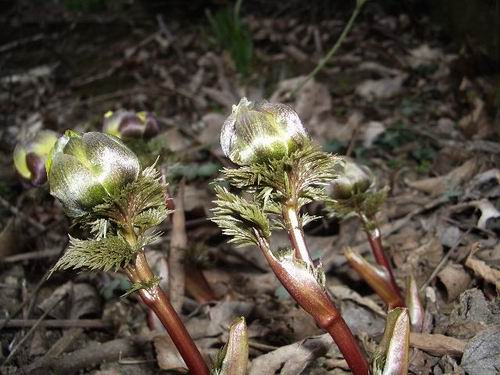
(84, 169)
(130, 125)
(256, 132)
(354, 179)
(29, 157)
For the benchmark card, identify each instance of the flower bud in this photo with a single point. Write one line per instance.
(130, 125)
(29, 157)
(259, 132)
(353, 180)
(85, 169)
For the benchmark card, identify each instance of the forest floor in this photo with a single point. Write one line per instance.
(398, 97)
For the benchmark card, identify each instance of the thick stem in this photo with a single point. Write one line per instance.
(348, 346)
(304, 287)
(295, 232)
(375, 240)
(156, 299)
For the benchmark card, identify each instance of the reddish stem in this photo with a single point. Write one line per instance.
(156, 299)
(348, 346)
(304, 287)
(375, 240)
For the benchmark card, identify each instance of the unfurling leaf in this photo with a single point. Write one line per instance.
(110, 253)
(392, 355)
(414, 304)
(238, 217)
(233, 357)
(377, 277)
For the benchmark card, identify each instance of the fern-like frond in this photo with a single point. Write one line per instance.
(151, 217)
(141, 202)
(111, 253)
(237, 217)
(367, 203)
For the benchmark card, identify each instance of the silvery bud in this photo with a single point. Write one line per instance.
(256, 132)
(130, 125)
(29, 157)
(354, 179)
(84, 169)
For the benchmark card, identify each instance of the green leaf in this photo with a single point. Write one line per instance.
(111, 253)
(238, 217)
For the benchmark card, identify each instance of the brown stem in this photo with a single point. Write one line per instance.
(375, 240)
(156, 299)
(295, 232)
(302, 284)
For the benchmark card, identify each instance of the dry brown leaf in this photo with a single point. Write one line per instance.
(477, 123)
(447, 183)
(167, 355)
(488, 211)
(455, 280)
(424, 55)
(341, 292)
(381, 88)
(437, 344)
(480, 268)
(292, 359)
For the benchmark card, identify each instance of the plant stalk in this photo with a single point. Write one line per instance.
(304, 287)
(375, 240)
(295, 232)
(156, 299)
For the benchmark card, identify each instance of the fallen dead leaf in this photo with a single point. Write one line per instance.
(483, 270)
(447, 183)
(384, 88)
(488, 212)
(292, 359)
(437, 344)
(455, 280)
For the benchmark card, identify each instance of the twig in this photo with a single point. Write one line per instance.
(178, 244)
(57, 323)
(32, 329)
(338, 43)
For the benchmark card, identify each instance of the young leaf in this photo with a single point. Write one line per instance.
(392, 355)
(238, 217)
(375, 276)
(414, 304)
(110, 253)
(233, 357)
